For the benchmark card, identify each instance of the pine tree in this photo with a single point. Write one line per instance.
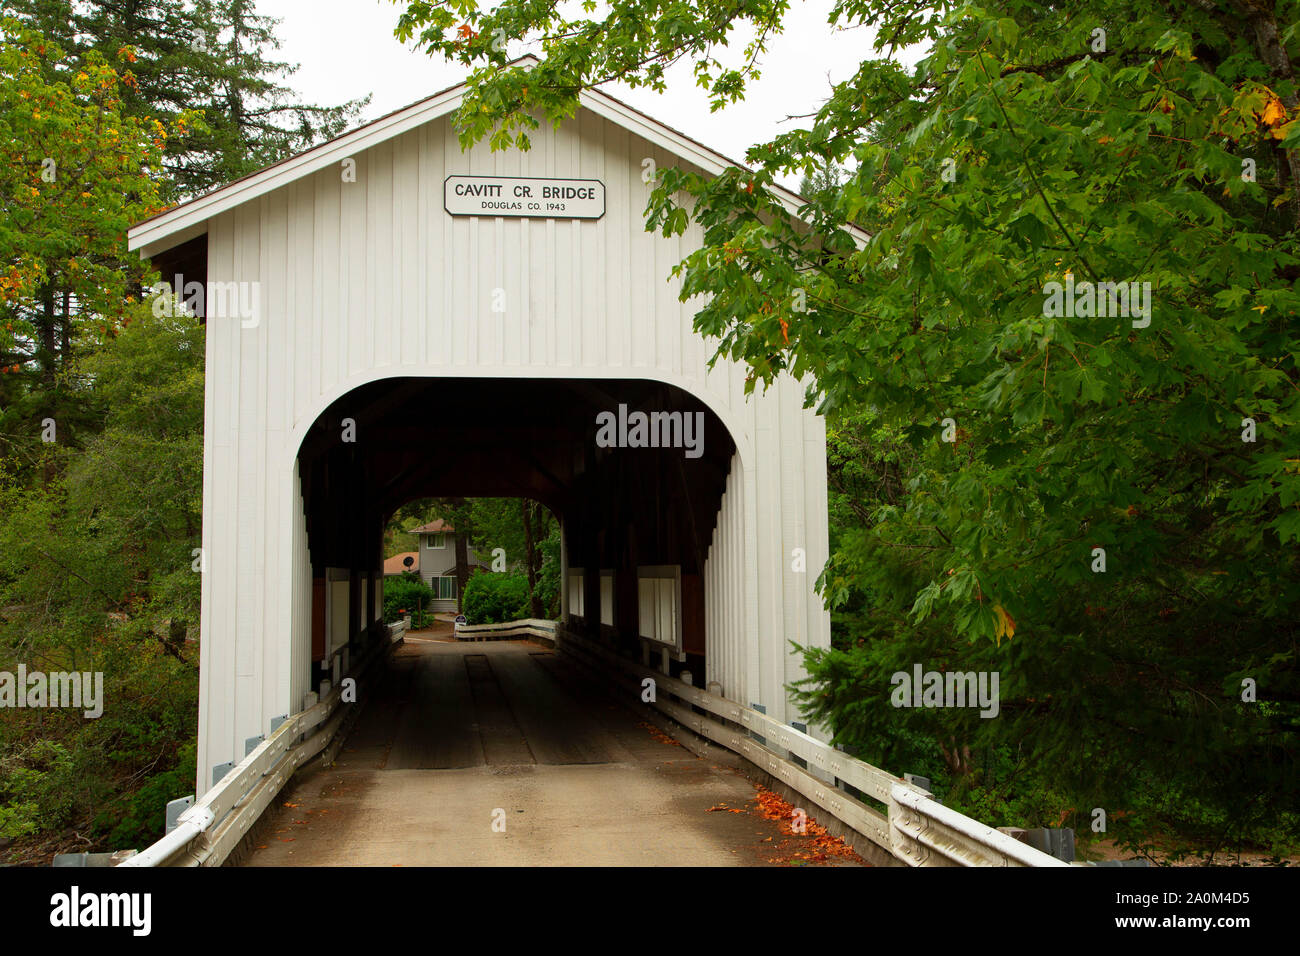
(211, 56)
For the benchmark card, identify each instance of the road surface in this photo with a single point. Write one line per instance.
(486, 754)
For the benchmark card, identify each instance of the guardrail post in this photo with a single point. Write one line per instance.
(251, 744)
(762, 710)
(220, 770)
(1054, 841)
(793, 757)
(174, 810)
(916, 780)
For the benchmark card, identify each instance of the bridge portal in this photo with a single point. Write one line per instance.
(389, 317)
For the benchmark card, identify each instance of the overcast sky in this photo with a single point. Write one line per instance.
(346, 49)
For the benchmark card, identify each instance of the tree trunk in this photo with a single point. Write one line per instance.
(45, 328)
(462, 567)
(530, 560)
(65, 347)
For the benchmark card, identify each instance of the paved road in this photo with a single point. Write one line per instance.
(486, 754)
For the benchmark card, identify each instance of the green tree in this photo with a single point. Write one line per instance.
(210, 57)
(74, 174)
(1099, 499)
(518, 526)
(195, 102)
(98, 572)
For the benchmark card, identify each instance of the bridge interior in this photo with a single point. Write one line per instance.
(620, 508)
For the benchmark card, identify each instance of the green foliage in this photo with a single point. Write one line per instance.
(520, 527)
(406, 594)
(984, 442)
(76, 169)
(96, 574)
(19, 819)
(496, 598)
(525, 530)
(140, 814)
(548, 574)
(413, 514)
(208, 58)
(99, 529)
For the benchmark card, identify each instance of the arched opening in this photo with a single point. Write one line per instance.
(635, 470)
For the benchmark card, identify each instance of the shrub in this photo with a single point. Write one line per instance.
(405, 592)
(495, 598)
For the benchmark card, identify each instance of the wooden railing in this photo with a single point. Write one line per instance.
(528, 627)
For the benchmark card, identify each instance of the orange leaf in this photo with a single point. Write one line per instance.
(1274, 112)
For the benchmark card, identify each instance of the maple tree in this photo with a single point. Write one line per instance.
(1033, 146)
(75, 172)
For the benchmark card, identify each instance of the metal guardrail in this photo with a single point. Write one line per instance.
(918, 830)
(208, 832)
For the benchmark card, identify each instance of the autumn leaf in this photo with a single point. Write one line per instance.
(1004, 625)
(1274, 112)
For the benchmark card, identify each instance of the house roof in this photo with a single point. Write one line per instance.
(189, 219)
(436, 526)
(394, 564)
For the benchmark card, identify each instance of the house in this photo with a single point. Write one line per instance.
(401, 563)
(436, 543)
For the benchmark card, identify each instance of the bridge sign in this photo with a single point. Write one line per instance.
(519, 196)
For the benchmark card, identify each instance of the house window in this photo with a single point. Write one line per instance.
(437, 541)
(447, 588)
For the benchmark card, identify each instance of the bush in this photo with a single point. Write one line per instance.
(495, 598)
(406, 592)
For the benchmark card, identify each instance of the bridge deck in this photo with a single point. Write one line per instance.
(458, 731)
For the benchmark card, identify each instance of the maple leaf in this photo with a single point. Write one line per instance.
(1273, 113)
(1004, 625)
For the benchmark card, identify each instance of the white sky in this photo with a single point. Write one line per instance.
(346, 49)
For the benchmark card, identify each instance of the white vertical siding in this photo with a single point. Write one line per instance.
(723, 592)
(369, 280)
(298, 627)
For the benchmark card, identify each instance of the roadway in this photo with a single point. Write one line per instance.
(492, 754)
